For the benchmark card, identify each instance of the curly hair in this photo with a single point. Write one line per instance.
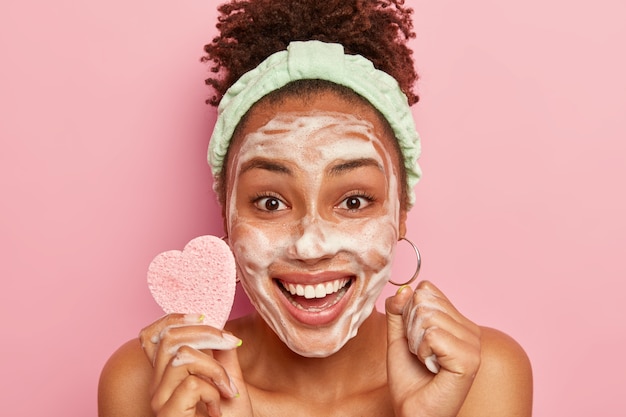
(252, 30)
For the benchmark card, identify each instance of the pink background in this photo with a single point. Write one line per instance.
(520, 216)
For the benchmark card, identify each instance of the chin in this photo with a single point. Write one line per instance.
(321, 347)
(321, 341)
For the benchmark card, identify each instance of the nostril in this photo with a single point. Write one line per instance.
(313, 242)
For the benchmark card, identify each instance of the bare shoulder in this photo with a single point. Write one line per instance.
(124, 384)
(504, 384)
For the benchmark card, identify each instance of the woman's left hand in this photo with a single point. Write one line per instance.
(424, 325)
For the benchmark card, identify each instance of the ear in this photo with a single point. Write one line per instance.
(402, 225)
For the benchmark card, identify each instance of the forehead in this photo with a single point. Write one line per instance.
(298, 122)
(315, 134)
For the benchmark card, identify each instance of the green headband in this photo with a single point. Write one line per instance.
(324, 61)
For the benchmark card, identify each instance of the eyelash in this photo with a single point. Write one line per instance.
(358, 194)
(269, 195)
(369, 198)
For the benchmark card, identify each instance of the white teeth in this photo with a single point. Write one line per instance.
(309, 291)
(315, 291)
(320, 291)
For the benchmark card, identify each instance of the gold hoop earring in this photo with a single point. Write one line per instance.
(417, 268)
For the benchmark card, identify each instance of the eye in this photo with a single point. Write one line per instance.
(355, 202)
(269, 203)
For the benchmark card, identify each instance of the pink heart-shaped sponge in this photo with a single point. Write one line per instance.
(199, 280)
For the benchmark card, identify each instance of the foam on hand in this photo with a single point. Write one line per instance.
(201, 279)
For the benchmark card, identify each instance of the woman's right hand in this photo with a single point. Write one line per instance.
(196, 369)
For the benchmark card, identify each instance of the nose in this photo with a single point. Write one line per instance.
(314, 241)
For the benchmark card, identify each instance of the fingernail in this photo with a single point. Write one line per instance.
(402, 288)
(235, 340)
(432, 364)
(194, 318)
(233, 388)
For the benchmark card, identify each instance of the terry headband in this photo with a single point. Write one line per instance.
(324, 61)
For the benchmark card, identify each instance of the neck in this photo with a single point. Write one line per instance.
(358, 365)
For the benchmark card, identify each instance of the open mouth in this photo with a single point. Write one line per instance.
(315, 297)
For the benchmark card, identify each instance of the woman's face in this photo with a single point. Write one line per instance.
(313, 215)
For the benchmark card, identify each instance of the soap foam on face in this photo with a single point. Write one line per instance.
(312, 141)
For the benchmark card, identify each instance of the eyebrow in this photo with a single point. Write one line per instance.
(259, 163)
(347, 166)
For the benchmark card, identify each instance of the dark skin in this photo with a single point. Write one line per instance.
(483, 371)
(503, 386)
(365, 393)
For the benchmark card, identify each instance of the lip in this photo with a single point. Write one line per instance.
(328, 308)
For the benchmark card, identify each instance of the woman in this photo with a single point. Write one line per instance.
(314, 154)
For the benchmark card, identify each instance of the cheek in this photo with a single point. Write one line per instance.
(373, 243)
(379, 255)
(256, 248)
(251, 247)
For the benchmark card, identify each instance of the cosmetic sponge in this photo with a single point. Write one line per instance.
(199, 280)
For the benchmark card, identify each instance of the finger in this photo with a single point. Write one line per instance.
(463, 330)
(402, 365)
(454, 355)
(432, 363)
(149, 336)
(229, 359)
(394, 308)
(419, 318)
(425, 349)
(431, 288)
(200, 364)
(188, 361)
(429, 298)
(429, 308)
(419, 308)
(197, 337)
(240, 405)
(186, 396)
(428, 294)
